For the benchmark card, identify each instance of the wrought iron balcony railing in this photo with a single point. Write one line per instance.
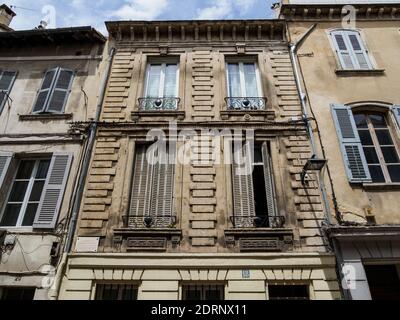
(140, 222)
(246, 103)
(149, 104)
(274, 222)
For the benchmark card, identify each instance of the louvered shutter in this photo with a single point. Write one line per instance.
(60, 93)
(45, 90)
(5, 160)
(53, 192)
(269, 183)
(343, 50)
(396, 112)
(7, 79)
(350, 143)
(141, 184)
(360, 54)
(243, 193)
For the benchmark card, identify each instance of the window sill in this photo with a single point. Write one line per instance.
(45, 117)
(162, 115)
(381, 186)
(248, 115)
(361, 73)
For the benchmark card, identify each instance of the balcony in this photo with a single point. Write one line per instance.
(247, 109)
(156, 104)
(246, 103)
(152, 222)
(275, 222)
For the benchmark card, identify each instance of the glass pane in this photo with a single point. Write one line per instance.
(213, 294)
(170, 80)
(36, 191)
(394, 172)
(192, 294)
(153, 81)
(378, 120)
(30, 214)
(43, 169)
(376, 174)
(361, 121)
(25, 169)
(371, 155)
(18, 191)
(365, 137)
(251, 80)
(384, 137)
(10, 215)
(390, 154)
(234, 80)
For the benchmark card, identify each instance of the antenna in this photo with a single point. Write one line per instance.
(22, 8)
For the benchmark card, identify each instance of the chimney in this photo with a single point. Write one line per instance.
(6, 16)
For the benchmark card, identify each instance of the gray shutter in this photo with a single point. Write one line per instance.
(5, 160)
(60, 93)
(141, 185)
(343, 50)
(243, 193)
(350, 143)
(359, 52)
(396, 112)
(7, 79)
(53, 192)
(269, 183)
(45, 90)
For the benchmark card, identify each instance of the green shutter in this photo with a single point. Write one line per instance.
(350, 143)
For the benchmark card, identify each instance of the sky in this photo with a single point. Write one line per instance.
(67, 13)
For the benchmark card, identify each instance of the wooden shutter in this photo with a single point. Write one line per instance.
(7, 79)
(5, 160)
(269, 183)
(45, 91)
(350, 143)
(396, 112)
(360, 55)
(243, 193)
(343, 50)
(60, 93)
(53, 192)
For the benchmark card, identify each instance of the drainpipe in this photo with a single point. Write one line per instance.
(78, 192)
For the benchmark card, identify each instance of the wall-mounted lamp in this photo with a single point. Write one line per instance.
(313, 164)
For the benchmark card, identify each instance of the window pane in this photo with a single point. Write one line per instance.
(378, 120)
(394, 172)
(170, 80)
(234, 80)
(36, 191)
(153, 81)
(25, 169)
(371, 155)
(251, 80)
(30, 215)
(384, 137)
(43, 169)
(10, 216)
(390, 154)
(192, 294)
(376, 174)
(213, 294)
(18, 191)
(361, 121)
(365, 137)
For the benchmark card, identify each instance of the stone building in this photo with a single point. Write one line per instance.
(349, 63)
(185, 224)
(48, 78)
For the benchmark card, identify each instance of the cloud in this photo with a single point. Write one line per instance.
(223, 9)
(141, 9)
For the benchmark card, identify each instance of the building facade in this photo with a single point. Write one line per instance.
(169, 210)
(48, 78)
(351, 78)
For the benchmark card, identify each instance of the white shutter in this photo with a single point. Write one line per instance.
(45, 91)
(343, 50)
(61, 91)
(360, 54)
(7, 79)
(5, 160)
(269, 183)
(53, 192)
(350, 143)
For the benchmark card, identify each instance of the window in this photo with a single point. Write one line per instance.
(244, 86)
(253, 187)
(351, 50)
(201, 292)
(369, 150)
(111, 292)
(161, 88)
(383, 281)
(7, 79)
(288, 292)
(379, 148)
(152, 187)
(17, 294)
(53, 95)
(37, 188)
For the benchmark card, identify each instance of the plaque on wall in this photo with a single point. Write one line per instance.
(87, 244)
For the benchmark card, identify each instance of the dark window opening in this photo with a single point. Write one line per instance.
(17, 294)
(383, 281)
(111, 292)
(260, 195)
(203, 292)
(294, 292)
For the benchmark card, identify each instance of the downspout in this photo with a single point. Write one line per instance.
(78, 192)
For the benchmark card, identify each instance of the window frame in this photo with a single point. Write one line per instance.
(310, 289)
(241, 63)
(203, 288)
(161, 89)
(121, 286)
